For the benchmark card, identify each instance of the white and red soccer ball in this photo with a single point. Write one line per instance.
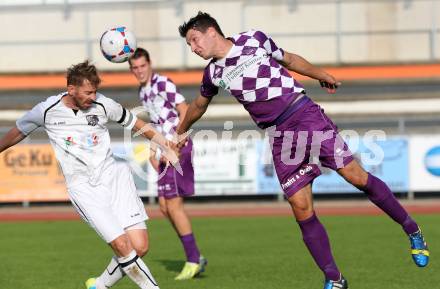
(117, 44)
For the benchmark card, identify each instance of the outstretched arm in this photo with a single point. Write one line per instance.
(181, 108)
(154, 162)
(299, 65)
(12, 137)
(195, 111)
(169, 150)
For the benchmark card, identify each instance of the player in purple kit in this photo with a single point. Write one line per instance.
(253, 69)
(166, 107)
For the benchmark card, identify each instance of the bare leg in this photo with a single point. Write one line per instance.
(182, 225)
(178, 216)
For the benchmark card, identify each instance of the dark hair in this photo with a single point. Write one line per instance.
(76, 74)
(138, 53)
(201, 22)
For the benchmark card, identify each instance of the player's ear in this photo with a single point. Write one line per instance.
(211, 32)
(71, 89)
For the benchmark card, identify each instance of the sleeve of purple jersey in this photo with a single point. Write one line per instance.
(207, 88)
(270, 46)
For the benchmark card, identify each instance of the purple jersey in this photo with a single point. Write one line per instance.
(160, 97)
(251, 73)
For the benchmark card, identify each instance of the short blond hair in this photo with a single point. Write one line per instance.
(76, 74)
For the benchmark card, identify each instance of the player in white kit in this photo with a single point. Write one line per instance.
(166, 106)
(101, 190)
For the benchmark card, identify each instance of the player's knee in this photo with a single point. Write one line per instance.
(173, 206)
(357, 180)
(121, 246)
(302, 210)
(170, 209)
(164, 210)
(142, 251)
(355, 175)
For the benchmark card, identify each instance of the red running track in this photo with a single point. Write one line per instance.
(338, 208)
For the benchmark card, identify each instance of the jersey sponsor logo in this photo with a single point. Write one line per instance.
(296, 177)
(68, 141)
(92, 119)
(166, 187)
(86, 141)
(238, 70)
(92, 140)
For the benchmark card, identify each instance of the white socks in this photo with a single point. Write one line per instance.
(137, 271)
(112, 274)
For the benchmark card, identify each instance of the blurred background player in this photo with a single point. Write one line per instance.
(166, 107)
(253, 69)
(101, 190)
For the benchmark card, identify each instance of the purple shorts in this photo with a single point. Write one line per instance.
(171, 183)
(304, 142)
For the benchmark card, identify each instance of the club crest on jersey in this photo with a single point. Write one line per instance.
(92, 119)
(248, 50)
(218, 71)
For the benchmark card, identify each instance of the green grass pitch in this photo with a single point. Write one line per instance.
(243, 253)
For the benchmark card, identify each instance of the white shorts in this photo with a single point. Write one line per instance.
(113, 205)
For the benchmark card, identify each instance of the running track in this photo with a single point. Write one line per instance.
(236, 209)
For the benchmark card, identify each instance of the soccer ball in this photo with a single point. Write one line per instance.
(117, 44)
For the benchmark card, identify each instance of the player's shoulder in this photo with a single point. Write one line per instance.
(250, 37)
(160, 78)
(157, 77)
(101, 98)
(251, 33)
(209, 68)
(106, 103)
(51, 101)
(258, 35)
(163, 82)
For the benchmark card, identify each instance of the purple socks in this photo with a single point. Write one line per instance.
(191, 250)
(316, 239)
(379, 193)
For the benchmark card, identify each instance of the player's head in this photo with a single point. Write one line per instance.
(140, 65)
(201, 33)
(82, 82)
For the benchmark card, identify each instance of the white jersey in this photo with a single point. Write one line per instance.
(80, 138)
